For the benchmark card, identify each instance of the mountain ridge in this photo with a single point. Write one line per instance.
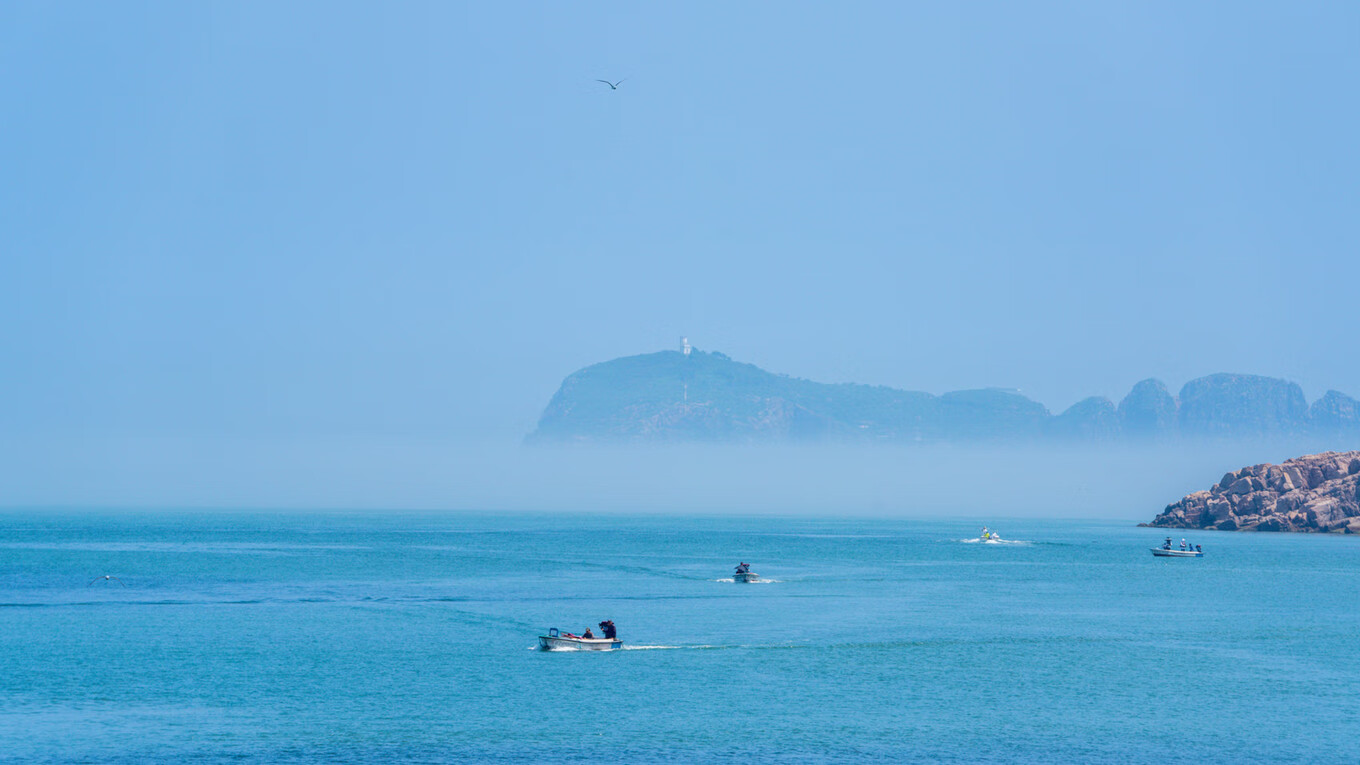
(706, 396)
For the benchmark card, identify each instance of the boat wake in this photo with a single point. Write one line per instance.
(762, 580)
(993, 541)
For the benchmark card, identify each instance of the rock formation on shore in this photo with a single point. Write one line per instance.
(1318, 493)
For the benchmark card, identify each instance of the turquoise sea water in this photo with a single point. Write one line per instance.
(400, 637)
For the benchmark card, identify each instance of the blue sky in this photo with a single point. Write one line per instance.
(312, 220)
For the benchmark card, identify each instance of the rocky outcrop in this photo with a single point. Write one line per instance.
(1148, 412)
(1091, 419)
(1335, 414)
(1241, 405)
(1319, 492)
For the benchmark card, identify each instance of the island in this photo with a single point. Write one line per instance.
(1314, 493)
(690, 395)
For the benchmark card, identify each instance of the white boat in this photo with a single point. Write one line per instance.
(556, 641)
(1162, 552)
(746, 576)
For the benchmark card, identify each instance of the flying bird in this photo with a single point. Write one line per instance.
(613, 85)
(106, 578)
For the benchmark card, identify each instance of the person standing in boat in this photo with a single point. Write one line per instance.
(1182, 543)
(607, 627)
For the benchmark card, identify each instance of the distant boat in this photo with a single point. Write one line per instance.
(1162, 552)
(556, 641)
(746, 576)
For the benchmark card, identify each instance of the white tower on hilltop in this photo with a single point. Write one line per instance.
(685, 347)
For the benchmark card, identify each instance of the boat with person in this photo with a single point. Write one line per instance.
(745, 574)
(1186, 550)
(1161, 553)
(557, 640)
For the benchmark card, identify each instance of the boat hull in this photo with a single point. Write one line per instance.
(749, 576)
(559, 643)
(1160, 553)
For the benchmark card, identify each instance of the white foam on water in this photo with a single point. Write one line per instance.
(730, 580)
(667, 647)
(622, 648)
(993, 541)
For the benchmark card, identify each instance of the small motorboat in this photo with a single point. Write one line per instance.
(556, 640)
(1162, 552)
(746, 576)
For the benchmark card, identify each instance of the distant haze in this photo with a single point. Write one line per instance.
(696, 396)
(330, 254)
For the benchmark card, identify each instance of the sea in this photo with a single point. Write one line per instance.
(412, 637)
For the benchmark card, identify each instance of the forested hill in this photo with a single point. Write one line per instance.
(706, 396)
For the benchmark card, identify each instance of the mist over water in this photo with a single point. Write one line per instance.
(1099, 481)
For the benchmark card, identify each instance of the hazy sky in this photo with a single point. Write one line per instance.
(312, 220)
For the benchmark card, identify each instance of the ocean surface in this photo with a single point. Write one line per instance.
(361, 637)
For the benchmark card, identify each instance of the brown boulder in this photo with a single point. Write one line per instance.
(1319, 492)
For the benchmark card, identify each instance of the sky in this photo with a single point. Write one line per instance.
(230, 228)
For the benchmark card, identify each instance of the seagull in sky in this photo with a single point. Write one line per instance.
(106, 578)
(613, 85)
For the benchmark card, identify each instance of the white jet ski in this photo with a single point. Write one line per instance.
(556, 641)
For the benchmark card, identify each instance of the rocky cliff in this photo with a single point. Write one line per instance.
(1318, 492)
(672, 396)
